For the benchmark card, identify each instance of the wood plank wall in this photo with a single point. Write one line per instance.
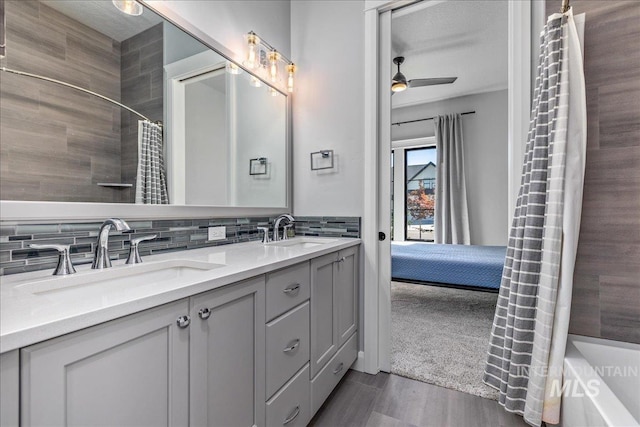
(57, 143)
(606, 297)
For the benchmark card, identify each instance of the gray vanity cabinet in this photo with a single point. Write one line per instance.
(346, 278)
(9, 389)
(334, 319)
(264, 351)
(129, 371)
(334, 298)
(227, 354)
(324, 328)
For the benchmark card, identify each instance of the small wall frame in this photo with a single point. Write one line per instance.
(322, 159)
(258, 166)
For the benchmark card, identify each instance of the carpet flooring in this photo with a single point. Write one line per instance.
(441, 335)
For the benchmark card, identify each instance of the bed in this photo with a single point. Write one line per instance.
(457, 265)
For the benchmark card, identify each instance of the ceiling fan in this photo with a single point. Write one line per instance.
(400, 82)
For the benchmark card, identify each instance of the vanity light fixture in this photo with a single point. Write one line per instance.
(255, 82)
(273, 65)
(291, 69)
(232, 68)
(129, 7)
(264, 58)
(253, 41)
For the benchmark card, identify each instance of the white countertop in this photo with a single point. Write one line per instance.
(27, 318)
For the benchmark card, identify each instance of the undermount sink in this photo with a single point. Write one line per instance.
(121, 277)
(302, 242)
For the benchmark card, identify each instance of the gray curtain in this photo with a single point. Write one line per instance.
(451, 211)
(151, 181)
(532, 313)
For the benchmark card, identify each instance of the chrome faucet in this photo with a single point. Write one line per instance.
(276, 227)
(101, 255)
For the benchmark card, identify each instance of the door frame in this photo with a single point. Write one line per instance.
(377, 261)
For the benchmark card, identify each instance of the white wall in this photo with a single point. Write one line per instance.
(260, 128)
(227, 21)
(327, 42)
(485, 138)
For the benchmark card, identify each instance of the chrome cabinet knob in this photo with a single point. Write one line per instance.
(292, 416)
(134, 254)
(338, 369)
(64, 266)
(292, 346)
(183, 321)
(292, 290)
(204, 313)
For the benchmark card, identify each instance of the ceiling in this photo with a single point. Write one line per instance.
(103, 17)
(463, 38)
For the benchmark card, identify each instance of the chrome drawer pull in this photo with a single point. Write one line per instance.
(292, 416)
(343, 259)
(183, 321)
(204, 313)
(293, 289)
(295, 345)
(338, 369)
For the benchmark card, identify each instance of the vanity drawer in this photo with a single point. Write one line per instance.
(287, 346)
(290, 407)
(329, 376)
(287, 288)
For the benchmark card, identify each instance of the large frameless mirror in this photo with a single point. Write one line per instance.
(103, 106)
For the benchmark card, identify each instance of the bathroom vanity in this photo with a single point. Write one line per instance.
(236, 335)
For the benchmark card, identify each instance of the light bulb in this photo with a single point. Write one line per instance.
(398, 86)
(291, 68)
(252, 43)
(232, 68)
(255, 82)
(273, 65)
(273, 92)
(130, 7)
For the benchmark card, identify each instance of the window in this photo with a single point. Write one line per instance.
(420, 185)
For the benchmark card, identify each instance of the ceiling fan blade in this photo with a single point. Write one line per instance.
(431, 82)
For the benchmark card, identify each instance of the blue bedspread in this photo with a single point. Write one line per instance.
(479, 266)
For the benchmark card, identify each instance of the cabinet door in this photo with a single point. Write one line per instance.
(228, 356)
(346, 288)
(9, 389)
(324, 329)
(130, 371)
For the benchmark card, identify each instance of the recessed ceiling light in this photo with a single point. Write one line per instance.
(130, 7)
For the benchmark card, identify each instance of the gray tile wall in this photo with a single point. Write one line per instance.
(173, 235)
(142, 89)
(58, 143)
(606, 290)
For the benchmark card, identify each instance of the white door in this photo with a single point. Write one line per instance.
(384, 194)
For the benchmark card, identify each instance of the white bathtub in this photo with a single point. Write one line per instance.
(602, 380)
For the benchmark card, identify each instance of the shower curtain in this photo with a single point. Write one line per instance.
(151, 182)
(451, 211)
(531, 321)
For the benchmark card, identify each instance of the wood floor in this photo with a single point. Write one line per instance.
(393, 401)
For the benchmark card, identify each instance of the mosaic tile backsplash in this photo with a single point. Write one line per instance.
(172, 235)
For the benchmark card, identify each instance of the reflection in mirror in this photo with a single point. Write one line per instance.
(72, 145)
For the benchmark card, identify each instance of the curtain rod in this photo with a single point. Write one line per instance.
(81, 89)
(428, 118)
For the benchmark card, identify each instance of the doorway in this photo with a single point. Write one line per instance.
(378, 55)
